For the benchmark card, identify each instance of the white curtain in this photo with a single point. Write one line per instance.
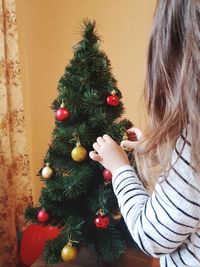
(15, 181)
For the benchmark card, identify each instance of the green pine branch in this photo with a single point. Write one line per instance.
(110, 244)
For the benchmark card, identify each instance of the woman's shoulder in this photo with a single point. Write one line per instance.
(181, 163)
(183, 144)
(181, 156)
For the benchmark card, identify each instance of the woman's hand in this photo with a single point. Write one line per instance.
(134, 139)
(109, 153)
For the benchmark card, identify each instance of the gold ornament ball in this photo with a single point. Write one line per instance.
(79, 153)
(125, 136)
(68, 253)
(47, 172)
(117, 217)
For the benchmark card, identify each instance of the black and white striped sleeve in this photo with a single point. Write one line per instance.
(162, 221)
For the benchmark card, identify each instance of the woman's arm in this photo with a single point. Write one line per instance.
(161, 222)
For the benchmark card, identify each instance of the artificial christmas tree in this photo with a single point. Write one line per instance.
(77, 195)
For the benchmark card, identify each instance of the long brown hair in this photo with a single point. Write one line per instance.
(172, 85)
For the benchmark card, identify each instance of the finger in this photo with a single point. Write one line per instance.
(94, 156)
(131, 130)
(96, 146)
(107, 138)
(126, 144)
(100, 140)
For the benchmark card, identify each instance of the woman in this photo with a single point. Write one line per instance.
(165, 223)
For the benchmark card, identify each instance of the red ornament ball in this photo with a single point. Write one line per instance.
(62, 114)
(107, 175)
(112, 100)
(102, 222)
(42, 216)
(132, 136)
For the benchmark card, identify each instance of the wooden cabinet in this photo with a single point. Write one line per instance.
(87, 259)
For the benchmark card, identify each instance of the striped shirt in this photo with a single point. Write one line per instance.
(165, 224)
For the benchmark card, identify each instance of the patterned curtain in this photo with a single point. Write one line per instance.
(15, 182)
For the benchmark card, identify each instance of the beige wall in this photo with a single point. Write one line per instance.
(47, 31)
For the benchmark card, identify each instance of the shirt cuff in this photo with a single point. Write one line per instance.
(120, 170)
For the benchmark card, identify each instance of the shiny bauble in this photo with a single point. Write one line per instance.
(42, 216)
(102, 222)
(132, 136)
(107, 175)
(68, 253)
(79, 153)
(112, 100)
(125, 136)
(47, 171)
(62, 113)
